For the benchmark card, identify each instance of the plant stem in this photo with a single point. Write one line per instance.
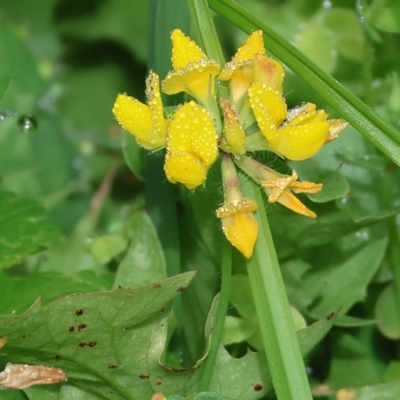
(273, 310)
(208, 366)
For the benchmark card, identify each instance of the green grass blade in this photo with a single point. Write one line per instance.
(273, 310)
(357, 113)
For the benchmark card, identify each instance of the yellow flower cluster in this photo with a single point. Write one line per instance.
(254, 116)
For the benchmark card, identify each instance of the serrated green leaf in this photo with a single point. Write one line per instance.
(99, 339)
(144, 261)
(386, 313)
(19, 292)
(23, 228)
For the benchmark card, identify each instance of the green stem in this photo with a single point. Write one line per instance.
(205, 30)
(394, 243)
(209, 363)
(273, 311)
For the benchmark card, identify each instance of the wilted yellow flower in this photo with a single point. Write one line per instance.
(279, 187)
(191, 146)
(145, 122)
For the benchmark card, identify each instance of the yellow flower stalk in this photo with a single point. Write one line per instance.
(193, 72)
(145, 122)
(191, 146)
(279, 187)
(238, 221)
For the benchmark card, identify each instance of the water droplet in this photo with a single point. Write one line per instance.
(27, 123)
(327, 4)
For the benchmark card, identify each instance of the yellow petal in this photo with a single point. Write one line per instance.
(185, 168)
(289, 200)
(233, 130)
(241, 229)
(253, 45)
(240, 225)
(156, 107)
(268, 71)
(244, 56)
(269, 109)
(184, 50)
(300, 142)
(192, 130)
(136, 118)
(196, 79)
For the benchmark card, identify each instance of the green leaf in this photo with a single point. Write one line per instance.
(105, 248)
(335, 186)
(387, 314)
(382, 391)
(388, 19)
(133, 154)
(12, 395)
(118, 20)
(344, 285)
(393, 371)
(144, 261)
(346, 32)
(23, 228)
(4, 83)
(209, 396)
(351, 363)
(99, 339)
(19, 292)
(315, 41)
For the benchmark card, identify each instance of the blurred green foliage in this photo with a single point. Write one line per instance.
(62, 63)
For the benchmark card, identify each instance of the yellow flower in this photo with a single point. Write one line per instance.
(193, 72)
(305, 130)
(146, 123)
(238, 221)
(191, 146)
(279, 187)
(251, 64)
